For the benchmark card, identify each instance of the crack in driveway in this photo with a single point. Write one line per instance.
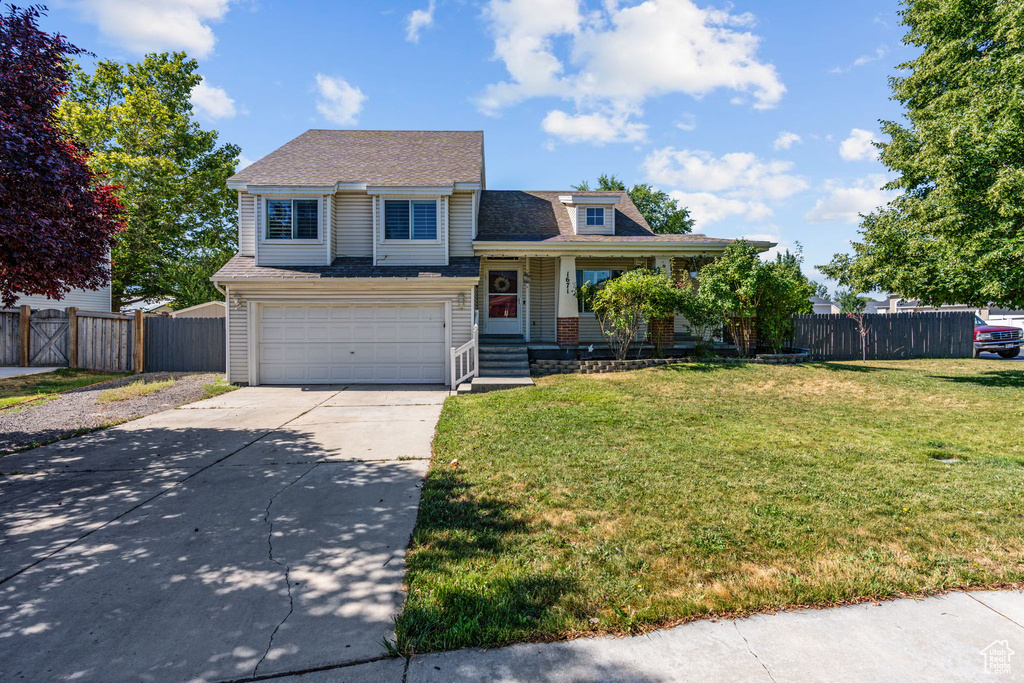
(753, 654)
(287, 568)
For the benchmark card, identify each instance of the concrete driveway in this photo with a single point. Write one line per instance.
(257, 533)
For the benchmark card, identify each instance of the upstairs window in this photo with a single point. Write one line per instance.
(594, 277)
(293, 219)
(595, 216)
(410, 219)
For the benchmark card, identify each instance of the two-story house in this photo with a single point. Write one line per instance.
(370, 256)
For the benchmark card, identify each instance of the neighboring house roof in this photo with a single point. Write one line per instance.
(181, 312)
(396, 158)
(535, 216)
(348, 267)
(148, 305)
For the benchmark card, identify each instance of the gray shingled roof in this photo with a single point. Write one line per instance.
(348, 266)
(516, 215)
(396, 158)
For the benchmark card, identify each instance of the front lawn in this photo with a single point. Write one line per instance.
(14, 390)
(625, 501)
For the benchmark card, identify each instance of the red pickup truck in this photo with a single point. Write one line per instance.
(1006, 341)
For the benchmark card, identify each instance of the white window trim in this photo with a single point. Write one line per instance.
(441, 226)
(261, 219)
(588, 224)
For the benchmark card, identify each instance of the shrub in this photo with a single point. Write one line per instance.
(625, 303)
(785, 292)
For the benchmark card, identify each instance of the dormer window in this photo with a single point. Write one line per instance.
(410, 219)
(595, 216)
(293, 219)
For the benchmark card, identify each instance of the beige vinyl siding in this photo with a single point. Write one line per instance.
(246, 224)
(340, 292)
(581, 221)
(590, 329)
(238, 346)
(414, 252)
(460, 226)
(543, 273)
(353, 224)
(296, 252)
(85, 299)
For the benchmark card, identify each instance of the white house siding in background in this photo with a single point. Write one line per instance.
(87, 300)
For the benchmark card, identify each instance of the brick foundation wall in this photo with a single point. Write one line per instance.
(662, 332)
(568, 331)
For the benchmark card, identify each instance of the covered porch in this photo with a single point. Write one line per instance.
(530, 299)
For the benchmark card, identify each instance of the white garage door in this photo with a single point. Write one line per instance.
(339, 343)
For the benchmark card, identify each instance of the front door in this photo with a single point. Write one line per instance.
(503, 309)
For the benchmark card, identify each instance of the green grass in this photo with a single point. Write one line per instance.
(15, 390)
(136, 389)
(627, 501)
(217, 388)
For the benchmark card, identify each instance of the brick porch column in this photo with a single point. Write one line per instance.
(568, 332)
(662, 332)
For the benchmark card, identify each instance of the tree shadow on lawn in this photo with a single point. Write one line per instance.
(1013, 379)
(705, 366)
(450, 603)
(843, 367)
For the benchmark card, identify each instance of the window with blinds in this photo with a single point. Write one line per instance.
(293, 219)
(410, 219)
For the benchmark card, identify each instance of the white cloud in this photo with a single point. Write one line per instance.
(212, 102)
(156, 25)
(863, 60)
(243, 162)
(859, 147)
(339, 101)
(737, 171)
(617, 57)
(418, 20)
(596, 128)
(846, 202)
(708, 207)
(714, 188)
(687, 122)
(785, 140)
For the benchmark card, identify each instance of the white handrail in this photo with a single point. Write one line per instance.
(466, 358)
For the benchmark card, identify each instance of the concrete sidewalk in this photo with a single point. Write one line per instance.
(948, 638)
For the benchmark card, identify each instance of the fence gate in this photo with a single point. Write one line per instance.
(49, 338)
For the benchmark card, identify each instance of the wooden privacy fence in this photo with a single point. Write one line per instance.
(114, 342)
(890, 336)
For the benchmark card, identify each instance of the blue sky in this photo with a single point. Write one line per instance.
(756, 114)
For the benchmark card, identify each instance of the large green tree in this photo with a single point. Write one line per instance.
(136, 121)
(661, 212)
(955, 233)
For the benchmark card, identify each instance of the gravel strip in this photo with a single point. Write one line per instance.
(79, 409)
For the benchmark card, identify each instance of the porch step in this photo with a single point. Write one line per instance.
(504, 363)
(502, 359)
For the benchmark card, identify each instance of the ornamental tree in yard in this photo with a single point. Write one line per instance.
(735, 283)
(623, 304)
(955, 233)
(786, 292)
(57, 220)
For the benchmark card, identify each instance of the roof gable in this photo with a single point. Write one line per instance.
(395, 158)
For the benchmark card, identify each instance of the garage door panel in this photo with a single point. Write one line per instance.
(338, 343)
